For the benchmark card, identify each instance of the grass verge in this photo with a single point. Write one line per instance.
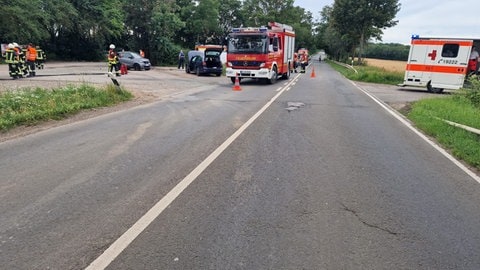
(369, 74)
(427, 115)
(29, 106)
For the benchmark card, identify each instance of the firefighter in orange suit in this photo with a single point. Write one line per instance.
(31, 59)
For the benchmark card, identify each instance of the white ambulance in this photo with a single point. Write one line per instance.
(438, 63)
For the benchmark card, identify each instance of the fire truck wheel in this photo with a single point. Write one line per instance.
(286, 76)
(434, 89)
(273, 79)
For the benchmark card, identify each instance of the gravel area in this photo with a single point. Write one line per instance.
(146, 86)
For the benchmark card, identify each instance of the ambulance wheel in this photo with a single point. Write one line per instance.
(434, 89)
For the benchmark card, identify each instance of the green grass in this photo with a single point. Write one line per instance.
(30, 106)
(427, 115)
(369, 74)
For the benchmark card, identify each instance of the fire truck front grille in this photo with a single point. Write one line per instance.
(247, 64)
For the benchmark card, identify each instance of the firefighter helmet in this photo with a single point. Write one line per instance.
(10, 46)
(112, 46)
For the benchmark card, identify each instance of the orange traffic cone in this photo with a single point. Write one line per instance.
(237, 87)
(313, 73)
(122, 69)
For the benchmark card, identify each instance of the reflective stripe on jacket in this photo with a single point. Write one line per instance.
(112, 57)
(10, 56)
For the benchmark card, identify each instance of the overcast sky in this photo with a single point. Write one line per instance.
(433, 18)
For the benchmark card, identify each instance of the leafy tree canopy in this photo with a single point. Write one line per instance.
(83, 29)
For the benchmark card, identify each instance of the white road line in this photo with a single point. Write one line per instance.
(421, 135)
(133, 232)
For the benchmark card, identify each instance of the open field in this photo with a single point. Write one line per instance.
(389, 65)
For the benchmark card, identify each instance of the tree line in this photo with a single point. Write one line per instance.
(83, 29)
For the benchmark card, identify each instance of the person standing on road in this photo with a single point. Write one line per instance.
(113, 61)
(41, 57)
(181, 60)
(22, 67)
(31, 59)
(11, 58)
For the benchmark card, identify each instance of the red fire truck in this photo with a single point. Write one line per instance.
(261, 53)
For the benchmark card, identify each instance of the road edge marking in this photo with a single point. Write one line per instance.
(407, 123)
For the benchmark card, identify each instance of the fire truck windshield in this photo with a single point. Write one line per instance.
(247, 44)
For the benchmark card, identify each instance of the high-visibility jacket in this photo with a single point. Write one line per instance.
(112, 57)
(20, 54)
(40, 54)
(31, 54)
(10, 56)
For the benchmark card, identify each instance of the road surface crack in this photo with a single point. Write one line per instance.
(355, 213)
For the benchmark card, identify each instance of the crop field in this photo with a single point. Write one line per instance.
(389, 65)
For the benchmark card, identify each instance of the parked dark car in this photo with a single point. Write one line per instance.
(133, 60)
(205, 62)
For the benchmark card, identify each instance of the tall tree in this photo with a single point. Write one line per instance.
(151, 25)
(165, 24)
(230, 15)
(357, 21)
(99, 23)
(259, 12)
(20, 20)
(59, 19)
(204, 24)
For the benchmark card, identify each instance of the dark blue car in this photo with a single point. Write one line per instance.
(205, 62)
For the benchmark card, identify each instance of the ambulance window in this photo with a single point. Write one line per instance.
(450, 50)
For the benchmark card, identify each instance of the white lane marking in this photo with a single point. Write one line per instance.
(421, 135)
(133, 232)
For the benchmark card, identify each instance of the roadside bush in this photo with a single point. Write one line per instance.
(473, 93)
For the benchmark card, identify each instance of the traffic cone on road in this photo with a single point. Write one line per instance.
(123, 69)
(313, 73)
(237, 87)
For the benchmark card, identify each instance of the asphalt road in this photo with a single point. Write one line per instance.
(305, 174)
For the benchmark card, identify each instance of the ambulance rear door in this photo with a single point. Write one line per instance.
(416, 73)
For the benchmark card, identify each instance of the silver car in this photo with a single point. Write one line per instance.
(133, 60)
